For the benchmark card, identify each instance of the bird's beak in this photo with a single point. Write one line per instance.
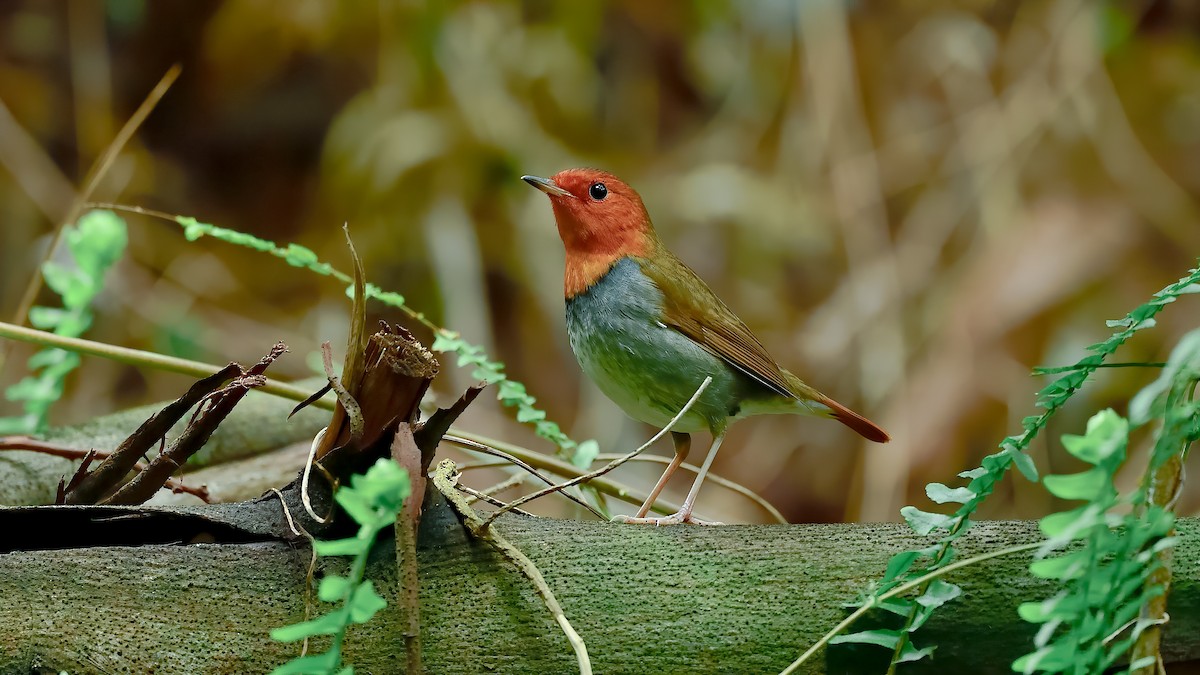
(546, 185)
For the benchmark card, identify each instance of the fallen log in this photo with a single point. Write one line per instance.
(744, 599)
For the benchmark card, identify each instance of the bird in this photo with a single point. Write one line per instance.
(648, 331)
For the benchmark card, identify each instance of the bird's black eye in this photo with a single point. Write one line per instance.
(598, 191)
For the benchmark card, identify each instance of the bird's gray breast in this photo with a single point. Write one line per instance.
(647, 368)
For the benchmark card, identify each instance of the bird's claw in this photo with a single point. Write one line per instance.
(673, 519)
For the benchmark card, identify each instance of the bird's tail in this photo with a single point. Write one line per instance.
(821, 405)
(861, 425)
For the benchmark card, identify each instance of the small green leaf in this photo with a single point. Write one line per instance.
(348, 546)
(333, 588)
(1067, 566)
(373, 498)
(372, 291)
(357, 506)
(509, 390)
(882, 637)
(387, 476)
(1081, 518)
(365, 602)
(939, 593)
(327, 624)
(45, 318)
(941, 494)
(530, 415)
(1047, 659)
(1040, 612)
(897, 606)
(299, 256)
(1090, 484)
(192, 228)
(899, 564)
(1106, 437)
(924, 522)
(488, 373)
(1025, 465)
(585, 453)
(550, 431)
(60, 279)
(53, 358)
(910, 653)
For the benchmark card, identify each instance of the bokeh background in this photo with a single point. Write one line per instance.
(911, 203)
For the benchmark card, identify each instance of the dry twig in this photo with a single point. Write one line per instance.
(33, 445)
(445, 479)
(608, 467)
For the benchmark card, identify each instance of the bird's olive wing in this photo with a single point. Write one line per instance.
(690, 307)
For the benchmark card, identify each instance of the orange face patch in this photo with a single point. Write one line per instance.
(602, 221)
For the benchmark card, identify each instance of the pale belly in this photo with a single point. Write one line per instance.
(646, 368)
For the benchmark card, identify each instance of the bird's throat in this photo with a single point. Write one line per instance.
(593, 245)
(584, 270)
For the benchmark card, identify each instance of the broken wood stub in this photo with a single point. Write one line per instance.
(396, 373)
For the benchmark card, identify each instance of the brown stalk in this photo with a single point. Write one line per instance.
(406, 453)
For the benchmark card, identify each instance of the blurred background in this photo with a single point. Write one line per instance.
(910, 203)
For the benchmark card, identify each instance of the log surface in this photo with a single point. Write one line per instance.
(744, 599)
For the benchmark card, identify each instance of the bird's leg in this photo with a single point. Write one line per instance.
(683, 443)
(684, 515)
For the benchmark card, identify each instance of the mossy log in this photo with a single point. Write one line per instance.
(733, 599)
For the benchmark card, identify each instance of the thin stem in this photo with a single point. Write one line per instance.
(445, 479)
(477, 496)
(875, 601)
(609, 467)
(95, 175)
(478, 443)
(513, 458)
(1042, 370)
(723, 482)
(138, 357)
(335, 273)
(730, 485)
(513, 481)
(304, 478)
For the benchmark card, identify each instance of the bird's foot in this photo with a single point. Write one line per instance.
(679, 518)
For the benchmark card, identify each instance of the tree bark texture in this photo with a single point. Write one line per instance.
(733, 599)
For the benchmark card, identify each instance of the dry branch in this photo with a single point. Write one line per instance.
(258, 425)
(122, 460)
(202, 425)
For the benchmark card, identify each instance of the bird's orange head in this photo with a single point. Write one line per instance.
(600, 220)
